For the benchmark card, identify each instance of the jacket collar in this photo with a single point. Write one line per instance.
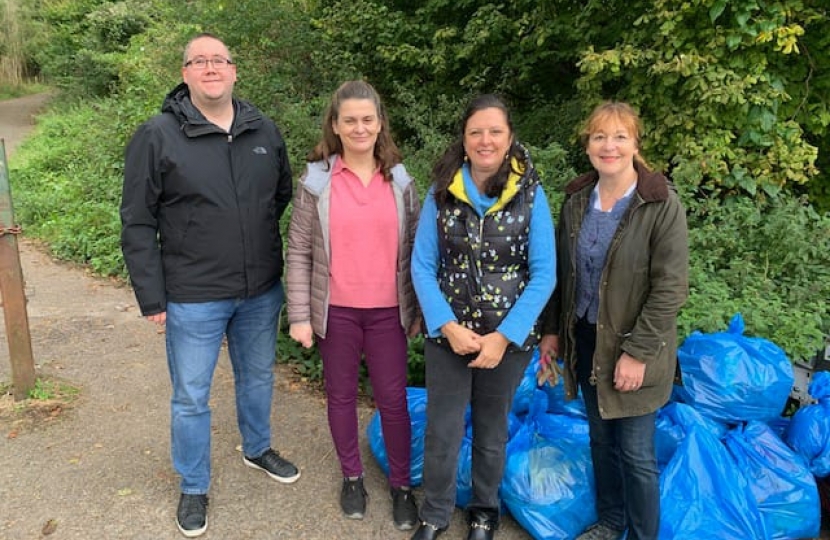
(651, 186)
(511, 188)
(318, 175)
(194, 123)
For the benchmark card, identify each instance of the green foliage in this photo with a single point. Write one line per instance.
(78, 45)
(64, 197)
(733, 96)
(771, 263)
(735, 68)
(20, 90)
(416, 374)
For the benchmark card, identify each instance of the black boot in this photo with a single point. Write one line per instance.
(482, 525)
(427, 532)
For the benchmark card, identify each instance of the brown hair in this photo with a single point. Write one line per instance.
(617, 111)
(448, 164)
(386, 151)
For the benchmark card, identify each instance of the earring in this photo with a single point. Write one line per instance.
(507, 156)
(466, 158)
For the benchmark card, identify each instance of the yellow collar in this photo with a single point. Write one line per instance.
(456, 187)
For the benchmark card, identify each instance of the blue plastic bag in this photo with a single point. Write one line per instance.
(672, 424)
(701, 496)
(809, 431)
(554, 425)
(548, 484)
(557, 404)
(416, 402)
(779, 426)
(734, 378)
(784, 488)
(527, 387)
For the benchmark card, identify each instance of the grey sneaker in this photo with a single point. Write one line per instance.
(274, 466)
(191, 516)
(600, 532)
(404, 509)
(353, 498)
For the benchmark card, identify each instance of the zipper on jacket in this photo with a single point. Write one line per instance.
(477, 262)
(242, 227)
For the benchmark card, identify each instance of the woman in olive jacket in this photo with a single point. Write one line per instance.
(622, 252)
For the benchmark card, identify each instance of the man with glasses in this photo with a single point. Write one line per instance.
(205, 184)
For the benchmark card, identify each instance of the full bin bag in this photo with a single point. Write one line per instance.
(734, 378)
(416, 403)
(548, 484)
(527, 386)
(784, 488)
(557, 404)
(702, 496)
(672, 423)
(808, 433)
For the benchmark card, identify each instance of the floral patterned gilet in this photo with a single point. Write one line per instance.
(485, 260)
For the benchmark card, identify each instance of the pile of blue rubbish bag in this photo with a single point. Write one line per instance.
(731, 467)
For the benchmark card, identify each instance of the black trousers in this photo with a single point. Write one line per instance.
(451, 386)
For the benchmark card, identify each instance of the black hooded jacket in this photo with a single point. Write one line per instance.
(200, 207)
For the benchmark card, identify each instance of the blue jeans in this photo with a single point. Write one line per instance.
(194, 336)
(622, 451)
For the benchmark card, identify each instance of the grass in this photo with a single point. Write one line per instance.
(8, 91)
(49, 400)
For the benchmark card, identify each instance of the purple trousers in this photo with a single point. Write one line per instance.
(375, 334)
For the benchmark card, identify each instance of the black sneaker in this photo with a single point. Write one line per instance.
(191, 516)
(353, 498)
(404, 510)
(274, 466)
(600, 532)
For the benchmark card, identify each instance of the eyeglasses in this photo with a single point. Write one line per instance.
(218, 63)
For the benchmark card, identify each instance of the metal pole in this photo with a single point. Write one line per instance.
(12, 291)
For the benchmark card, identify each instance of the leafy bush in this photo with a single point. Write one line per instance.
(771, 263)
(67, 199)
(731, 93)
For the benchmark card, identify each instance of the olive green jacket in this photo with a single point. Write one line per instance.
(643, 285)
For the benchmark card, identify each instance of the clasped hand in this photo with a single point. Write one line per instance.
(490, 347)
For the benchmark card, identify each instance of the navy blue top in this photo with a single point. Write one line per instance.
(595, 236)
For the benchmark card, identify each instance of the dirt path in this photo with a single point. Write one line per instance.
(102, 469)
(17, 118)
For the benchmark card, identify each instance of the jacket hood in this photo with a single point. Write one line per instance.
(193, 122)
(177, 102)
(522, 176)
(318, 175)
(651, 185)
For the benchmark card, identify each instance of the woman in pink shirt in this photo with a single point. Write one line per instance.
(348, 283)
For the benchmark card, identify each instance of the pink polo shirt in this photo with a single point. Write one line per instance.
(363, 223)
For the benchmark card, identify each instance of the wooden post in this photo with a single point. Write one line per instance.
(12, 291)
